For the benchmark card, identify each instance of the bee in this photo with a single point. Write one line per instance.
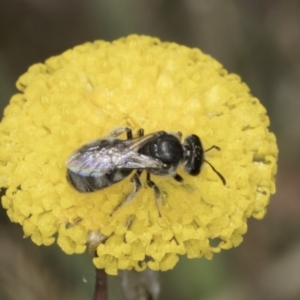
(104, 162)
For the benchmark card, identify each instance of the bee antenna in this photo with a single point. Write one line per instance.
(213, 147)
(213, 168)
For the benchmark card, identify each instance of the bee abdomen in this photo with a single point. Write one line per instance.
(86, 184)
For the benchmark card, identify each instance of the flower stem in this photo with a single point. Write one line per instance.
(101, 285)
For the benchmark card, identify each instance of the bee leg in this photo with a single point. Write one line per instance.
(118, 131)
(75, 222)
(137, 186)
(157, 192)
(178, 178)
(141, 132)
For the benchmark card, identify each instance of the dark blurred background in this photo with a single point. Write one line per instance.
(257, 39)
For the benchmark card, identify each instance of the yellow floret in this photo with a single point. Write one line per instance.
(140, 82)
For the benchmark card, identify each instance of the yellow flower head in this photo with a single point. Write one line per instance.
(138, 82)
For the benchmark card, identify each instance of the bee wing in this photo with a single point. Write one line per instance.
(104, 156)
(139, 161)
(88, 164)
(135, 160)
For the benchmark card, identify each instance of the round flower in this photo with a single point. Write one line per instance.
(138, 82)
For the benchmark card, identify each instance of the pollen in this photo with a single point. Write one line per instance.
(140, 82)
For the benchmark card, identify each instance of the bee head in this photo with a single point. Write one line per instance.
(193, 154)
